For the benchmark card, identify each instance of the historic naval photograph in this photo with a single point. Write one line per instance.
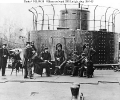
(59, 50)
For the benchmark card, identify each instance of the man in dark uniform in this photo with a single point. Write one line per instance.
(89, 52)
(59, 59)
(46, 57)
(28, 53)
(90, 68)
(4, 56)
(70, 62)
(79, 64)
(86, 49)
(84, 46)
(33, 46)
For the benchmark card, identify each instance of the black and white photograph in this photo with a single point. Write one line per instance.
(59, 50)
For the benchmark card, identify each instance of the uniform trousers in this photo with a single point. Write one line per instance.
(45, 65)
(28, 69)
(3, 65)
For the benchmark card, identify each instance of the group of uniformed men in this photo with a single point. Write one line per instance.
(31, 58)
(62, 64)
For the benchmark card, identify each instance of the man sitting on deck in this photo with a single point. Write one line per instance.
(46, 57)
(70, 62)
(79, 65)
(59, 59)
(43, 61)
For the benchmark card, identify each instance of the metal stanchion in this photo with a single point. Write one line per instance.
(81, 96)
(75, 91)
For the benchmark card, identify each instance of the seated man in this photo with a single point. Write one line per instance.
(79, 65)
(70, 62)
(46, 57)
(37, 65)
(59, 59)
(82, 69)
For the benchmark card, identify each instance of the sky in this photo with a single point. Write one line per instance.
(14, 13)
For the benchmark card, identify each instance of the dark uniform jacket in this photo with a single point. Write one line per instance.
(34, 48)
(86, 51)
(28, 53)
(80, 61)
(2, 53)
(60, 55)
(46, 56)
(91, 54)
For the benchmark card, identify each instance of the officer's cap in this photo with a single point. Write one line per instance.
(83, 54)
(45, 48)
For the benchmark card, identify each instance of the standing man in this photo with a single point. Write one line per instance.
(84, 46)
(86, 50)
(59, 59)
(46, 57)
(91, 53)
(28, 53)
(4, 56)
(33, 46)
(90, 68)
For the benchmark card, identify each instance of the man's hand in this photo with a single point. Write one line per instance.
(45, 60)
(4, 56)
(58, 59)
(42, 58)
(33, 52)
